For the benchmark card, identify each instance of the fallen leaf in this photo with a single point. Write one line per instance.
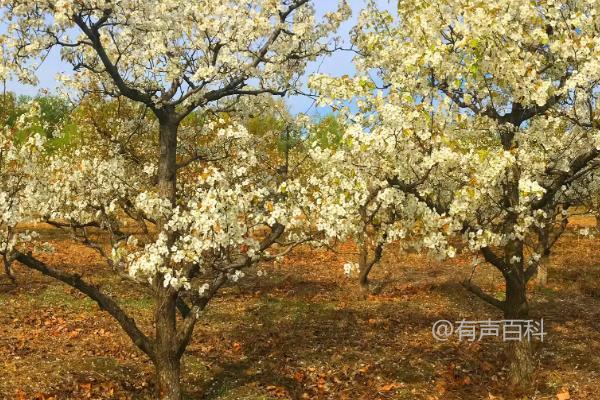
(389, 387)
(298, 376)
(364, 369)
(86, 387)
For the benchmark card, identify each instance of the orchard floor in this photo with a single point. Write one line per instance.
(305, 331)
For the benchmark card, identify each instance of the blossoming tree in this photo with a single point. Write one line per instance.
(509, 91)
(19, 165)
(204, 215)
(356, 199)
(586, 194)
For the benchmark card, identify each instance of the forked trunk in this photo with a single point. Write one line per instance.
(363, 279)
(364, 266)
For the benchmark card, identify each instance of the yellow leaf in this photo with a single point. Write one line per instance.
(364, 369)
(269, 206)
(389, 387)
(563, 395)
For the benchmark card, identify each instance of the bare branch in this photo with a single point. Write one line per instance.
(105, 302)
(476, 290)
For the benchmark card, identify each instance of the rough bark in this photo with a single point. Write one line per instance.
(168, 373)
(168, 356)
(167, 163)
(365, 265)
(542, 273)
(521, 366)
(516, 306)
(544, 248)
(8, 271)
(168, 360)
(520, 355)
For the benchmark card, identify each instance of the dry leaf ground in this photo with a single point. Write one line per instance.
(305, 332)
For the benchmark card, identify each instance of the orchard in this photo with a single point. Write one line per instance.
(164, 211)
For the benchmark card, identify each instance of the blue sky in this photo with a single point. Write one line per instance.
(337, 64)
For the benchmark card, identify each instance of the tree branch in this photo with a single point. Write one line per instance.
(577, 165)
(476, 290)
(105, 302)
(184, 333)
(493, 259)
(93, 34)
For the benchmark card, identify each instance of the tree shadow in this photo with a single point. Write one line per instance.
(356, 343)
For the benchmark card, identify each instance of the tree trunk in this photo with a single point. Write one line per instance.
(363, 264)
(544, 246)
(168, 357)
(8, 271)
(167, 163)
(521, 367)
(516, 297)
(520, 355)
(542, 272)
(598, 222)
(363, 279)
(168, 379)
(168, 362)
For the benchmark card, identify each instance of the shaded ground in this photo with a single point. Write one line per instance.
(304, 332)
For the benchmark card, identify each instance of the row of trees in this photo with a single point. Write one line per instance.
(466, 122)
(191, 180)
(487, 114)
(491, 111)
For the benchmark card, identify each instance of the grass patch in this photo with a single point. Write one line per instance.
(59, 296)
(273, 310)
(144, 303)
